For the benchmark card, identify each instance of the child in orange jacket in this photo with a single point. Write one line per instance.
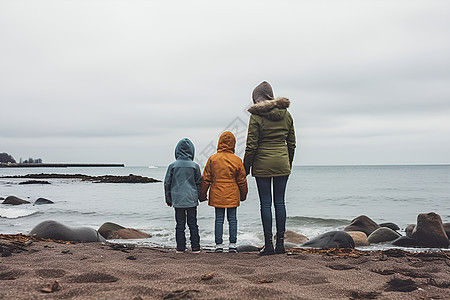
(224, 176)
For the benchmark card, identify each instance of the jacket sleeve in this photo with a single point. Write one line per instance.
(168, 184)
(252, 143)
(206, 181)
(241, 180)
(290, 141)
(198, 180)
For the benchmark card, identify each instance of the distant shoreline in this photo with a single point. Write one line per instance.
(58, 165)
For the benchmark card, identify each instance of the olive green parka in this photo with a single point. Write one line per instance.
(270, 140)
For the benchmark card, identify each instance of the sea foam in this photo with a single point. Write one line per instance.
(14, 213)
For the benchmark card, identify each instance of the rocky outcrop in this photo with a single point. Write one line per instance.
(34, 182)
(114, 231)
(429, 231)
(362, 223)
(332, 239)
(294, 237)
(359, 237)
(102, 179)
(382, 235)
(13, 200)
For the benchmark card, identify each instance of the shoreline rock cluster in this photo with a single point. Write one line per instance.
(429, 232)
(13, 200)
(96, 179)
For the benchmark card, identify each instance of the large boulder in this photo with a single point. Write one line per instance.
(40, 201)
(57, 231)
(405, 241)
(390, 225)
(429, 231)
(383, 234)
(114, 231)
(332, 239)
(362, 223)
(13, 200)
(359, 237)
(294, 237)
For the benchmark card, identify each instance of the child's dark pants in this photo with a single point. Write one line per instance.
(181, 215)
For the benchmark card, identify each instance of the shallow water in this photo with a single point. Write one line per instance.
(318, 199)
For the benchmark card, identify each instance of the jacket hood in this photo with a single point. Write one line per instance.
(262, 92)
(185, 149)
(271, 109)
(227, 141)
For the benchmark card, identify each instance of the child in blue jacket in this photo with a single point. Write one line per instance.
(182, 191)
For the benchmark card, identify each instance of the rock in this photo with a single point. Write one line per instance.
(290, 245)
(405, 241)
(247, 248)
(383, 234)
(447, 229)
(128, 233)
(294, 237)
(409, 229)
(40, 201)
(34, 182)
(332, 239)
(429, 231)
(389, 225)
(13, 200)
(359, 237)
(57, 231)
(362, 223)
(114, 231)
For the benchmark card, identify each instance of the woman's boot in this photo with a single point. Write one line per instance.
(268, 245)
(279, 248)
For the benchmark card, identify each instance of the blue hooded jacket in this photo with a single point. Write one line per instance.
(183, 177)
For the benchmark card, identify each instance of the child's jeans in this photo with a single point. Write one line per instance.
(232, 223)
(181, 215)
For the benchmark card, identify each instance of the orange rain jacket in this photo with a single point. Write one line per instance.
(224, 175)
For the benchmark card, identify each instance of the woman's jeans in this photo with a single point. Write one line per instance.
(264, 185)
(232, 223)
(181, 215)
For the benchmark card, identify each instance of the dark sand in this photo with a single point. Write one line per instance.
(109, 271)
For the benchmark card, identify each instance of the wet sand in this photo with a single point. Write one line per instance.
(39, 269)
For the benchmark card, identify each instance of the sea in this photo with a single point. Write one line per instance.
(318, 199)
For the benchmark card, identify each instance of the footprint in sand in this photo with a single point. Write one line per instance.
(50, 273)
(93, 278)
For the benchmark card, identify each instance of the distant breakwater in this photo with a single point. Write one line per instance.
(64, 165)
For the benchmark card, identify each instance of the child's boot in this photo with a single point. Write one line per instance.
(268, 245)
(279, 248)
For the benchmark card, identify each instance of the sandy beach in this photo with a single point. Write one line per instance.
(38, 269)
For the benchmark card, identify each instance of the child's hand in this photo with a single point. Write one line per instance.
(169, 204)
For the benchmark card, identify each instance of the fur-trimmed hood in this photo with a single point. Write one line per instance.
(271, 109)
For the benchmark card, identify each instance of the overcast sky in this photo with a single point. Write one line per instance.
(122, 81)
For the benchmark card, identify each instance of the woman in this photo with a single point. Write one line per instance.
(269, 153)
